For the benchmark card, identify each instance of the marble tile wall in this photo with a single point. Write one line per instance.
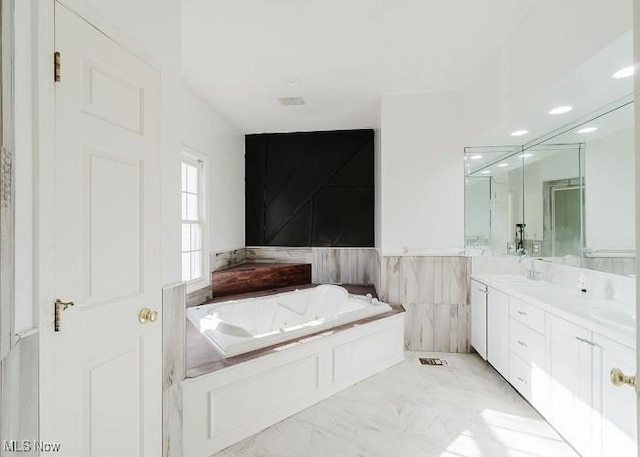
(223, 259)
(19, 393)
(197, 297)
(434, 292)
(173, 368)
(329, 265)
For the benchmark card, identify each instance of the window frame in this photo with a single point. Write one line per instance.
(192, 157)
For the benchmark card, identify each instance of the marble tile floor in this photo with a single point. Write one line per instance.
(410, 410)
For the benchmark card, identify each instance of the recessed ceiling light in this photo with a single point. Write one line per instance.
(503, 165)
(561, 109)
(476, 157)
(624, 73)
(519, 133)
(292, 81)
(588, 130)
(485, 172)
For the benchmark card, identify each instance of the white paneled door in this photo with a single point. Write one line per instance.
(104, 391)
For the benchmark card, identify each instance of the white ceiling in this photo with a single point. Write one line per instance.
(343, 54)
(586, 88)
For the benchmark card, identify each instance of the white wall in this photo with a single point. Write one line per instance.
(422, 181)
(609, 198)
(212, 135)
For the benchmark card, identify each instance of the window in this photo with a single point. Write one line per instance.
(193, 220)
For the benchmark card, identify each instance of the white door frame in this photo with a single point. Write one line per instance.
(44, 265)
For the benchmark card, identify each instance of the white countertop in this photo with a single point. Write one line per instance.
(565, 303)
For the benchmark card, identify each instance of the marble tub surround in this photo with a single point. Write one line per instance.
(329, 265)
(203, 358)
(197, 297)
(173, 368)
(434, 291)
(410, 410)
(225, 259)
(567, 303)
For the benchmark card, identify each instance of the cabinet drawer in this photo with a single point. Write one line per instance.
(520, 375)
(529, 315)
(526, 343)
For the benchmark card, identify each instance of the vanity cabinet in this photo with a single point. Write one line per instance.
(570, 371)
(614, 406)
(479, 318)
(563, 369)
(498, 331)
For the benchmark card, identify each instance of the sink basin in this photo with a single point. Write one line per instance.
(625, 319)
(516, 280)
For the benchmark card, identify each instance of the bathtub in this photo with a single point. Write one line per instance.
(238, 326)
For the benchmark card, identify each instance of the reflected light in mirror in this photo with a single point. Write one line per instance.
(526, 156)
(519, 132)
(624, 73)
(485, 172)
(503, 165)
(588, 130)
(478, 157)
(561, 110)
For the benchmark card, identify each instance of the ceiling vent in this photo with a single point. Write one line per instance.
(291, 101)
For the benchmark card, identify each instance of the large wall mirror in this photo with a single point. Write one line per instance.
(567, 196)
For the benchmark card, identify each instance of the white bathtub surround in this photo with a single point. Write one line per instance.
(19, 392)
(173, 368)
(434, 291)
(410, 410)
(328, 265)
(239, 326)
(232, 403)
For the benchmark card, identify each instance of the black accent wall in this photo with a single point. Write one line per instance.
(310, 189)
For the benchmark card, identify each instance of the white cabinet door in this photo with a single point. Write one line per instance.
(570, 369)
(615, 406)
(479, 318)
(498, 331)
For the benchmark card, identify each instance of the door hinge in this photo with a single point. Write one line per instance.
(57, 66)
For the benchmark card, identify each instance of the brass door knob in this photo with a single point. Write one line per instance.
(147, 315)
(618, 378)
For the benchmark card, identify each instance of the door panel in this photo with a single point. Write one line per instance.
(115, 269)
(615, 406)
(105, 384)
(498, 331)
(570, 367)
